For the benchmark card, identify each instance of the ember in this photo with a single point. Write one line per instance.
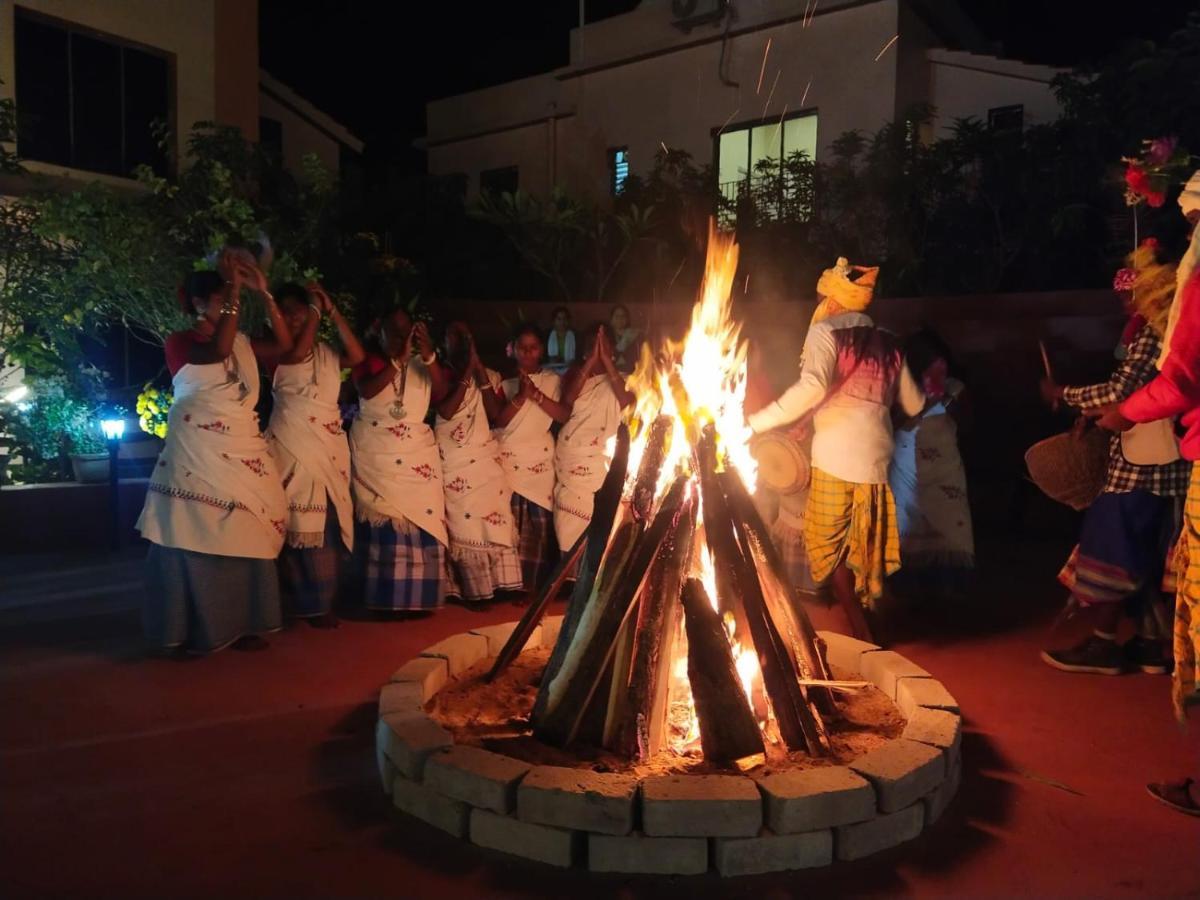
(682, 627)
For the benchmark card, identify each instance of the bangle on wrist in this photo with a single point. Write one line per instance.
(315, 309)
(430, 359)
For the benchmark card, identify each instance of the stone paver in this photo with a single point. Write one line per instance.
(551, 626)
(701, 806)
(843, 651)
(476, 776)
(902, 772)
(401, 697)
(577, 799)
(772, 852)
(430, 673)
(937, 727)
(816, 799)
(407, 742)
(856, 841)
(461, 651)
(498, 635)
(552, 846)
(430, 806)
(638, 854)
(885, 667)
(912, 693)
(936, 803)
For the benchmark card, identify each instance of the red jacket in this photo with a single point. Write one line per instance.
(1175, 390)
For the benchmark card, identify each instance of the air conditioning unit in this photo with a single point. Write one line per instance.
(687, 14)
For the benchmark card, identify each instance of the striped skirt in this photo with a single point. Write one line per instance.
(308, 576)
(202, 602)
(405, 567)
(855, 524)
(536, 544)
(1187, 602)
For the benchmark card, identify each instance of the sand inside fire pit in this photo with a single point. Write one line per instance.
(495, 716)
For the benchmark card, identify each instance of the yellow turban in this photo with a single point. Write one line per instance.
(1153, 286)
(835, 284)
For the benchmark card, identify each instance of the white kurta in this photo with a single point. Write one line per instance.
(215, 488)
(397, 473)
(310, 447)
(478, 497)
(526, 444)
(581, 458)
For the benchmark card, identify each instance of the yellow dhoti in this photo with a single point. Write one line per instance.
(856, 523)
(1187, 600)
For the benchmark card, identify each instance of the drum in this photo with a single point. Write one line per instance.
(783, 464)
(1071, 467)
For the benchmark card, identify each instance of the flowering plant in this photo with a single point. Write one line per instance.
(1149, 176)
(152, 407)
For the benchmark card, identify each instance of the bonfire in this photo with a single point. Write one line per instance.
(682, 628)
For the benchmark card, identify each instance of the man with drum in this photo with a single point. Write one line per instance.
(851, 376)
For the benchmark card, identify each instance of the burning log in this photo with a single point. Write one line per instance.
(599, 530)
(639, 719)
(786, 609)
(564, 699)
(797, 721)
(728, 731)
(658, 441)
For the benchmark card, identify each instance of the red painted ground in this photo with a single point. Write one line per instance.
(253, 774)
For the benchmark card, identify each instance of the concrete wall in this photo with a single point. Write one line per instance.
(994, 338)
(965, 85)
(300, 137)
(640, 83)
(235, 94)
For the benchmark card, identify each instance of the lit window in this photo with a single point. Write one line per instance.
(742, 150)
(618, 166)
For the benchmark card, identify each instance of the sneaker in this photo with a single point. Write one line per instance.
(1148, 655)
(1094, 655)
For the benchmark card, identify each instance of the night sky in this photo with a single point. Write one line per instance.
(374, 65)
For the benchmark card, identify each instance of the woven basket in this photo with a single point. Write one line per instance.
(1070, 469)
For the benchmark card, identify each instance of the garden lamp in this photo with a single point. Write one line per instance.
(113, 428)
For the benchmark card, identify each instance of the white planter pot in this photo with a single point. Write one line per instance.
(90, 468)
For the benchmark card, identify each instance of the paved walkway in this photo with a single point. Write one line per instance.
(253, 774)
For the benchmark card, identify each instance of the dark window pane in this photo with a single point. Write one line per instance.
(270, 137)
(43, 111)
(499, 181)
(147, 85)
(96, 101)
(1007, 118)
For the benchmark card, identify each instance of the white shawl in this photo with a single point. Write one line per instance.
(397, 471)
(526, 444)
(581, 458)
(215, 488)
(310, 447)
(478, 511)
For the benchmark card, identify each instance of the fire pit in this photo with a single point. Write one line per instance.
(656, 821)
(685, 671)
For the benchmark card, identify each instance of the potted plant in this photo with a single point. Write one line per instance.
(87, 448)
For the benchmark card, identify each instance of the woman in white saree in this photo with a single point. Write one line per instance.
(215, 512)
(483, 535)
(527, 453)
(312, 454)
(397, 475)
(596, 393)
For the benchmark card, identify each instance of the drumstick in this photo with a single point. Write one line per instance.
(1045, 359)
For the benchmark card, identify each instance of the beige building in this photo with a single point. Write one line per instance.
(731, 82)
(91, 77)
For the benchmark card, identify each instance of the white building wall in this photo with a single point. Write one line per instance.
(967, 85)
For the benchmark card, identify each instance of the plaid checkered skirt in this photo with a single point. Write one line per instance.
(308, 577)
(1187, 602)
(477, 574)
(536, 544)
(405, 567)
(854, 523)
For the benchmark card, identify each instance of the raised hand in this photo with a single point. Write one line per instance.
(319, 298)
(421, 339)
